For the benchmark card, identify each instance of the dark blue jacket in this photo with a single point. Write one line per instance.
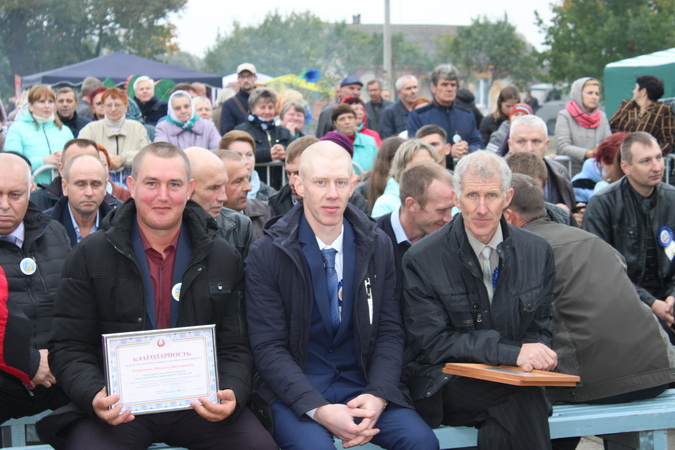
(279, 302)
(152, 110)
(453, 119)
(60, 213)
(394, 120)
(231, 114)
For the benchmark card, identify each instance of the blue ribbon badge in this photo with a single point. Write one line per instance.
(666, 241)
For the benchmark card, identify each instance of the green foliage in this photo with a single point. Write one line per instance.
(40, 35)
(490, 47)
(163, 89)
(289, 45)
(277, 46)
(586, 35)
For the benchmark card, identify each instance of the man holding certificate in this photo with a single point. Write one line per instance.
(325, 322)
(157, 264)
(479, 291)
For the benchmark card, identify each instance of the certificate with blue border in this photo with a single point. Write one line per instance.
(161, 370)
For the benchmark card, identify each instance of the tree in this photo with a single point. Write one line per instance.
(494, 48)
(44, 34)
(279, 45)
(300, 41)
(586, 35)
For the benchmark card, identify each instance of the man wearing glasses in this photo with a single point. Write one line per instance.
(235, 109)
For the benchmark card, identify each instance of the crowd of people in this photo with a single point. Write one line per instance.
(344, 272)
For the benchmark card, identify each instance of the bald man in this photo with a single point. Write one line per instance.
(324, 319)
(47, 196)
(211, 180)
(32, 251)
(81, 209)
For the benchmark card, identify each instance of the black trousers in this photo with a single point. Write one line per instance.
(17, 401)
(181, 429)
(507, 417)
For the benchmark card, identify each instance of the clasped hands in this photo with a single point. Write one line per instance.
(339, 419)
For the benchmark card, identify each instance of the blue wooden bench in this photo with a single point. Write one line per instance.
(650, 419)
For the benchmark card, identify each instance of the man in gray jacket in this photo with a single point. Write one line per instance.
(599, 323)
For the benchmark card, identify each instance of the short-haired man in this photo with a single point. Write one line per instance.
(235, 109)
(84, 107)
(636, 215)
(32, 251)
(438, 139)
(480, 291)
(324, 319)
(82, 209)
(395, 116)
(210, 176)
(121, 279)
(530, 134)
(426, 205)
(458, 123)
(66, 103)
(287, 197)
(599, 323)
(237, 189)
(533, 166)
(410, 152)
(46, 198)
(376, 105)
(243, 143)
(349, 87)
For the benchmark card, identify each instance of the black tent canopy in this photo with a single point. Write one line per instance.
(119, 66)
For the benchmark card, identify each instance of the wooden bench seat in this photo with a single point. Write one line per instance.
(650, 419)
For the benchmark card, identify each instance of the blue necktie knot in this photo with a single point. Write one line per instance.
(329, 257)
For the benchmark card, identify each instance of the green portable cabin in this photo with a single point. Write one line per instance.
(620, 76)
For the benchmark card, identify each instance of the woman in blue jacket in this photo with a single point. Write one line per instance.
(38, 134)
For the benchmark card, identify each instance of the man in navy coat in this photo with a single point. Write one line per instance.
(324, 321)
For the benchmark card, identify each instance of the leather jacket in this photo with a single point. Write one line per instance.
(616, 215)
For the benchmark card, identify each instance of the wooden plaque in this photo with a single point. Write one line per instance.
(511, 375)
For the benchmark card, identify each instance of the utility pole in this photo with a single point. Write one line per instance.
(388, 81)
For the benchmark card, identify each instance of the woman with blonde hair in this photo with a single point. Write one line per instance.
(38, 134)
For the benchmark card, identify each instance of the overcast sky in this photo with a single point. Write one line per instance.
(199, 23)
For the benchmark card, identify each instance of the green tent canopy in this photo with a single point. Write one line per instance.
(619, 76)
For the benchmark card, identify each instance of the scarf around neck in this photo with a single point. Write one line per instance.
(173, 118)
(582, 117)
(262, 124)
(39, 119)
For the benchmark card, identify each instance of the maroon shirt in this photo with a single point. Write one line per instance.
(161, 274)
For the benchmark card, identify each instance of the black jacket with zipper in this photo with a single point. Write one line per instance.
(102, 292)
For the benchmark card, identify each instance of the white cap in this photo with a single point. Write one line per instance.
(244, 67)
